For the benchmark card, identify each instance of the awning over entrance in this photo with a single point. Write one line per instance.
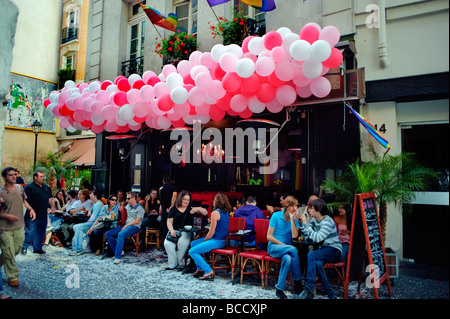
(83, 150)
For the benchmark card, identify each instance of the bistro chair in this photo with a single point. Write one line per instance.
(152, 237)
(339, 269)
(257, 256)
(133, 241)
(231, 253)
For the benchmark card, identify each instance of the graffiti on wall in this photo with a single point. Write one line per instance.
(25, 103)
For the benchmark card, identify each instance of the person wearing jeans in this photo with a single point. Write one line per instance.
(116, 237)
(215, 239)
(320, 227)
(282, 228)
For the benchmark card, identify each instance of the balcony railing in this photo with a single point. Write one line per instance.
(69, 34)
(132, 66)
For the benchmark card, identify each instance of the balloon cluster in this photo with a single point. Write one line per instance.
(267, 72)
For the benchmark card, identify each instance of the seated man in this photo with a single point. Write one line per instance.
(116, 237)
(249, 211)
(320, 227)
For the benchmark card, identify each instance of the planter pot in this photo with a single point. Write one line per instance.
(392, 262)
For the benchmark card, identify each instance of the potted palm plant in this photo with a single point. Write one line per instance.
(393, 179)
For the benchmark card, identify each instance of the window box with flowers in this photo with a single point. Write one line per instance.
(177, 47)
(233, 31)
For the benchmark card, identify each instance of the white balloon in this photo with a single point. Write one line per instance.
(54, 97)
(300, 50)
(256, 45)
(312, 69)
(133, 78)
(255, 105)
(126, 112)
(235, 49)
(320, 50)
(245, 67)
(97, 119)
(94, 87)
(284, 31)
(163, 122)
(179, 95)
(69, 84)
(217, 51)
(174, 80)
(197, 69)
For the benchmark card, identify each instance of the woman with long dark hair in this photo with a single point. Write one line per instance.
(216, 237)
(180, 214)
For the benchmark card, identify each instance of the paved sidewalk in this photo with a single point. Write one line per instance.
(56, 275)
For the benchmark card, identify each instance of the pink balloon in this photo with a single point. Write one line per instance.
(78, 103)
(274, 80)
(163, 122)
(206, 60)
(147, 93)
(245, 114)
(152, 80)
(64, 122)
(216, 91)
(309, 33)
(330, 34)
(203, 80)
(216, 113)
(62, 98)
(141, 109)
(272, 39)
(228, 62)
(133, 96)
(334, 60)
(231, 82)
(97, 107)
(300, 79)
(304, 92)
(264, 66)
(224, 103)
(217, 72)
(165, 103)
(196, 96)
(238, 103)
(102, 96)
(108, 112)
(250, 56)
(123, 84)
(184, 67)
(111, 126)
(245, 43)
(274, 106)
(286, 95)
(251, 84)
(161, 89)
(147, 75)
(55, 111)
(194, 58)
(320, 87)
(284, 71)
(203, 109)
(277, 54)
(167, 69)
(182, 109)
(120, 98)
(105, 84)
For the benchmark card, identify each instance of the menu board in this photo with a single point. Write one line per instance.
(366, 244)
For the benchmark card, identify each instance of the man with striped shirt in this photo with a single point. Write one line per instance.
(320, 227)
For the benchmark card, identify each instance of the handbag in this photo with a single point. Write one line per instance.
(173, 239)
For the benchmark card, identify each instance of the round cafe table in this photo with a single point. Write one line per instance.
(192, 231)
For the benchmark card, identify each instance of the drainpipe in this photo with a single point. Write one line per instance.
(382, 42)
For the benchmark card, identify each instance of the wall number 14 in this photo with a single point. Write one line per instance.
(382, 128)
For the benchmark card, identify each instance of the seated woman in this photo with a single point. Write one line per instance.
(111, 211)
(216, 237)
(81, 229)
(54, 222)
(320, 227)
(343, 222)
(282, 228)
(179, 216)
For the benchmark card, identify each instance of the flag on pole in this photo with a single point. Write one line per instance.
(157, 18)
(213, 3)
(264, 5)
(371, 129)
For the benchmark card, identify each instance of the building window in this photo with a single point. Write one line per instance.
(137, 40)
(70, 62)
(187, 12)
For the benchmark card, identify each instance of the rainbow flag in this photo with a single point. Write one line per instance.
(371, 129)
(264, 5)
(213, 3)
(157, 18)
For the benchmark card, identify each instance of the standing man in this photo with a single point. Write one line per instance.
(12, 224)
(168, 195)
(39, 197)
(116, 237)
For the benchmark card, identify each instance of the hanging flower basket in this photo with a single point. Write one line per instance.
(177, 47)
(232, 31)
